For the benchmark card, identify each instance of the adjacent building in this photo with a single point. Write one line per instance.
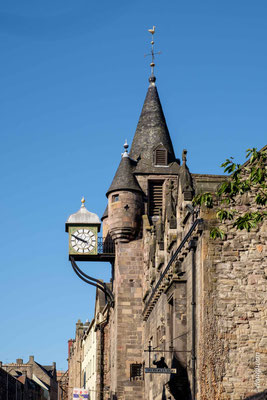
(86, 352)
(28, 381)
(75, 358)
(63, 382)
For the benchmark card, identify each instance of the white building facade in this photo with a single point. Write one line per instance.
(89, 366)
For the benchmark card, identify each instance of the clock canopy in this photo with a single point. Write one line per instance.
(83, 217)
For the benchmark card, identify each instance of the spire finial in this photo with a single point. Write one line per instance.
(125, 154)
(82, 201)
(152, 78)
(184, 156)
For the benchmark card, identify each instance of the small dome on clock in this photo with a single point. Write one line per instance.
(83, 216)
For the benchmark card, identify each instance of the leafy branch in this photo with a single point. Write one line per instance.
(250, 178)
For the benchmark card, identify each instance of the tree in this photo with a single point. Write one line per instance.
(244, 180)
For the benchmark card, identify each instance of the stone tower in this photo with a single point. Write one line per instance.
(125, 202)
(135, 201)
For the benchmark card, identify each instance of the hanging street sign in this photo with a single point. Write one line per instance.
(160, 370)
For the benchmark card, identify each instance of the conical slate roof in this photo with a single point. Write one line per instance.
(151, 131)
(124, 178)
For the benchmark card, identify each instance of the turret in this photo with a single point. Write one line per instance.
(125, 202)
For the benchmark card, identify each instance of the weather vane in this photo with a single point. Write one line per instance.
(152, 53)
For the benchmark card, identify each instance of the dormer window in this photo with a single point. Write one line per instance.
(160, 156)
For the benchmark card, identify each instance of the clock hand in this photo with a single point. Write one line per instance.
(76, 237)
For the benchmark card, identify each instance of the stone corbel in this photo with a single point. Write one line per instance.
(152, 277)
(160, 262)
(172, 238)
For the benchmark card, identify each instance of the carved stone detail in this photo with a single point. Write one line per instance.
(152, 247)
(171, 204)
(160, 231)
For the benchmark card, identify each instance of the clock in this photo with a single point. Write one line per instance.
(83, 227)
(82, 240)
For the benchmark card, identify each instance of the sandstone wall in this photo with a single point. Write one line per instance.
(233, 334)
(126, 331)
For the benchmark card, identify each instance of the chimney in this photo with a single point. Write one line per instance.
(54, 365)
(31, 359)
(19, 361)
(1, 364)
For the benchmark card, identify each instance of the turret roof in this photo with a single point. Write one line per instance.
(124, 178)
(151, 131)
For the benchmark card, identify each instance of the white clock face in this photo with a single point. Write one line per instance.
(83, 240)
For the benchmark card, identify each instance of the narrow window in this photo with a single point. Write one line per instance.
(115, 198)
(155, 197)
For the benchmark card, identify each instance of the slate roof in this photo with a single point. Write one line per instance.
(124, 178)
(48, 369)
(150, 132)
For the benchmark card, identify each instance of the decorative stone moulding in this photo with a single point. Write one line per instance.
(122, 235)
(175, 271)
(173, 223)
(161, 245)
(172, 239)
(160, 262)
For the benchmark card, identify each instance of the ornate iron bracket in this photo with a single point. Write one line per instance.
(92, 281)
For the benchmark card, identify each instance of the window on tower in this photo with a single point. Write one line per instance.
(160, 156)
(155, 194)
(115, 198)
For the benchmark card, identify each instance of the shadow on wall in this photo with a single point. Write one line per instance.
(163, 397)
(178, 384)
(258, 396)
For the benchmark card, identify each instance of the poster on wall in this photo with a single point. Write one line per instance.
(79, 393)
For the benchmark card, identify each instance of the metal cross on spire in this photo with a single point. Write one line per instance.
(152, 53)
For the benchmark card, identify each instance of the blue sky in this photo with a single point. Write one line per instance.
(73, 79)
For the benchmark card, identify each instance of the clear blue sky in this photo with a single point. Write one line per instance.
(73, 78)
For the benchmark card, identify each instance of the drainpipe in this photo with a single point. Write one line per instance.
(193, 246)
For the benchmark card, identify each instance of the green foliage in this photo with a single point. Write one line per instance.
(250, 178)
(261, 198)
(205, 198)
(249, 220)
(223, 214)
(216, 233)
